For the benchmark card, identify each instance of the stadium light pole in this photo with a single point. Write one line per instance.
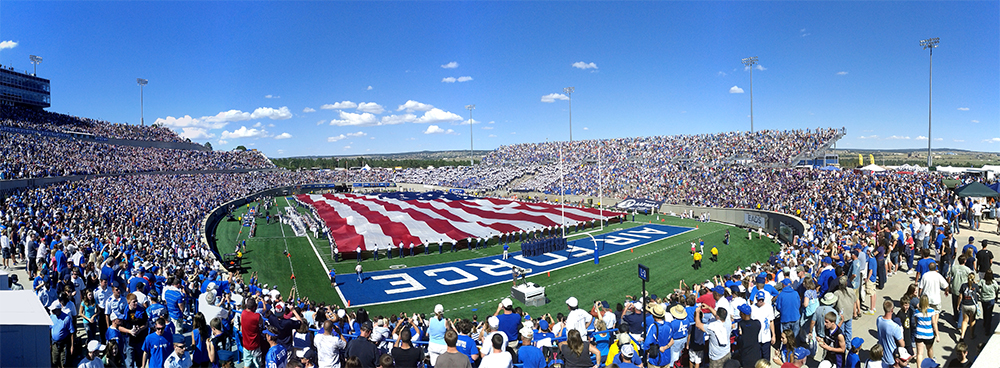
(35, 60)
(750, 62)
(600, 182)
(142, 113)
(562, 175)
(929, 44)
(472, 161)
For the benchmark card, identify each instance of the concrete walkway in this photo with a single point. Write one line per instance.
(896, 286)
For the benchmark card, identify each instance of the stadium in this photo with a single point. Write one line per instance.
(132, 245)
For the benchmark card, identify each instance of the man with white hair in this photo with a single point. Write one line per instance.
(494, 324)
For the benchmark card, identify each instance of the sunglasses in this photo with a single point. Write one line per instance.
(160, 328)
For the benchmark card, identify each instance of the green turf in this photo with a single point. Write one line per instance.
(669, 261)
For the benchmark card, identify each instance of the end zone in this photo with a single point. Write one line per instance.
(441, 279)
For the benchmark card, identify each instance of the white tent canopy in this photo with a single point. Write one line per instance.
(873, 167)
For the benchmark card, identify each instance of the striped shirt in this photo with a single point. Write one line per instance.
(925, 324)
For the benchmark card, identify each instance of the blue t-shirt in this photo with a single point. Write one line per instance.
(852, 361)
(788, 305)
(276, 357)
(62, 327)
(660, 333)
(508, 325)
(466, 345)
(200, 354)
(680, 328)
(873, 269)
(173, 298)
(158, 348)
(888, 334)
(531, 357)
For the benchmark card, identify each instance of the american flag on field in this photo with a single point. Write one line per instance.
(380, 221)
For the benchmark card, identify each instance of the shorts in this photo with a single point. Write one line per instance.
(929, 343)
(869, 287)
(696, 356)
(6, 253)
(969, 310)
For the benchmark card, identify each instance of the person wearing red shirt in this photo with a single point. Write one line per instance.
(251, 326)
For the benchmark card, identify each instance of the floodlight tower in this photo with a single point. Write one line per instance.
(35, 60)
(562, 176)
(569, 91)
(929, 44)
(472, 161)
(750, 62)
(142, 82)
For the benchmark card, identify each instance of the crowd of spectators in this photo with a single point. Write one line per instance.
(35, 156)
(121, 255)
(36, 119)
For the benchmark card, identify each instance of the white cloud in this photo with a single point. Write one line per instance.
(464, 79)
(436, 115)
(841, 73)
(449, 80)
(321, 122)
(398, 119)
(371, 107)
(920, 138)
(226, 117)
(466, 122)
(451, 65)
(736, 89)
(411, 106)
(806, 34)
(434, 129)
(721, 73)
(585, 128)
(369, 88)
(994, 140)
(272, 96)
(345, 136)
(273, 114)
(963, 109)
(281, 151)
(7, 45)
(869, 137)
(270, 125)
(760, 67)
(223, 141)
(453, 79)
(938, 139)
(976, 121)
(902, 137)
(584, 66)
(308, 109)
(243, 132)
(258, 125)
(283, 136)
(208, 122)
(347, 148)
(352, 119)
(958, 140)
(492, 135)
(195, 133)
(339, 105)
(552, 97)
(487, 128)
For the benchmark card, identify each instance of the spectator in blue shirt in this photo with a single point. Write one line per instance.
(529, 355)
(659, 333)
(63, 331)
(788, 303)
(156, 348)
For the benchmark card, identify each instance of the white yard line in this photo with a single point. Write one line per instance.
(318, 257)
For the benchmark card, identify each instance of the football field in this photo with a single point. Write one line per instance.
(667, 256)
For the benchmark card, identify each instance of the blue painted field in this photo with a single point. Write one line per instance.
(426, 281)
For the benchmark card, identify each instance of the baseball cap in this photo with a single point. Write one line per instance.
(719, 289)
(929, 363)
(827, 260)
(506, 302)
(543, 325)
(571, 302)
(95, 345)
(605, 304)
(438, 309)
(971, 238)
(627, 350)
(902, 353)
(857, 342)
(367, 326)
(745, 309)
(801, 353)
(268, 332)
(526, 332)
(760, 295)
(760, 279)
(786, 282)
(493, 321)
(55, 305)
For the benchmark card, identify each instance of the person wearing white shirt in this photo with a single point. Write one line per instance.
(328, 346)
(93, 357)
(931, 284)
(764, 313)
(577, 318)
(179, 358)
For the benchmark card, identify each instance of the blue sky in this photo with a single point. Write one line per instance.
(316, 78)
